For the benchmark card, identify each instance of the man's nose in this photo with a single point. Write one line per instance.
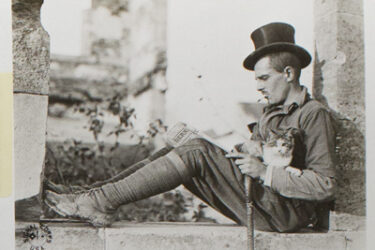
(260, 86)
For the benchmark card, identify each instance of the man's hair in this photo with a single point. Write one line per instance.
(280, 60)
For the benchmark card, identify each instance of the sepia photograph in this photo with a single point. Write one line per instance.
(160, 124)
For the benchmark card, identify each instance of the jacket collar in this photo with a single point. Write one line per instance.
(275, 110)
(300, 100)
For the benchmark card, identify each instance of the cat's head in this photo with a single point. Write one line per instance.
(282, 139)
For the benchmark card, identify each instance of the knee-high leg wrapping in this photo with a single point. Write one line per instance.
(160, 175)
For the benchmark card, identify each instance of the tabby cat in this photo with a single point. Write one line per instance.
(278, 149)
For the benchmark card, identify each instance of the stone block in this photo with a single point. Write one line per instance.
(148, 37)
(353, 7)
(103, 43)
(180, 236)
(326, 7)
(86, 70)
(325, 65)
(30, 121)
(136, 40)
(66, 236)
(346, 222)
(339, 84)
(339, 64)
(30, 48)
(306, 241)
(351, 79)
(174, 236)
(355, 241)
(77, 79)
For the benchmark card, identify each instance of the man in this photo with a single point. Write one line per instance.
(283, 202)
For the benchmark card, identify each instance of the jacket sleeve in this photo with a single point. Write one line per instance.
(317, 181)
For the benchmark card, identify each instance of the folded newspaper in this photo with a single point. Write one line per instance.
(180, 133)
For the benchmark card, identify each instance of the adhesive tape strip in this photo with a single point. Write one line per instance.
(6, 133)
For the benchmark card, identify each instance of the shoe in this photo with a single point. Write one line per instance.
(62, 189)
(90, 206)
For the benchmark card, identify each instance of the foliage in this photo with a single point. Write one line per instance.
(76, 163)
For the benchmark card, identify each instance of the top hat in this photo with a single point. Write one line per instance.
(275, 37)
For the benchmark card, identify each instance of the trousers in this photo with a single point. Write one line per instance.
(218, 181)
(205, 171)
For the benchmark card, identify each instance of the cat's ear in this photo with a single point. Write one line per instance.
(272, 134)
(251, 126)
(292, 131)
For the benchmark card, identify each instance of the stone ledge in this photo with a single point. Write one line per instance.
(180, 236)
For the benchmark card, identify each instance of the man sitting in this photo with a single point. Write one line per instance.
(283, 202)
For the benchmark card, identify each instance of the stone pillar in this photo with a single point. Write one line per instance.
(136, 40)
(136, 44)
(31, 77)
(339, 83)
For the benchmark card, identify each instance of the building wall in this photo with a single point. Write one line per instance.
(339, 83)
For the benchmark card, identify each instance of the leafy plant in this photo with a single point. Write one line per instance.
(74, 163)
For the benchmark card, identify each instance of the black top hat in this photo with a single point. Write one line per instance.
(275, 37)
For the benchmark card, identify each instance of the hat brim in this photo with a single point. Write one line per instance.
(300, 52)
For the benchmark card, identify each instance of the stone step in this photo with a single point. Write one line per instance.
(179, 236)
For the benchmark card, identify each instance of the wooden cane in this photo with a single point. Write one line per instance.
(250, 213)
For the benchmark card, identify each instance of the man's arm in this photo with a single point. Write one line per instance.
(317, 181)
(310, 185)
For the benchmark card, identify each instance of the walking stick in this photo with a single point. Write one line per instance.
(249, 213)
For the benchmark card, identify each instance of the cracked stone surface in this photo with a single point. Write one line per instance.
(192, 236)
(30, 48)
(339, 83)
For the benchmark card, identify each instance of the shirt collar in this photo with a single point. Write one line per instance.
(300, 100)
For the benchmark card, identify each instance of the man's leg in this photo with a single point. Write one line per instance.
(133, 168)
(98, 205)
(219, 182)
(59, 188)
(198, 164)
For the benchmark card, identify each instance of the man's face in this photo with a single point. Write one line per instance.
(272, 84)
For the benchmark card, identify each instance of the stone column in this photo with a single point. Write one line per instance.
(339, 83)
(31, 77)
(136, 44)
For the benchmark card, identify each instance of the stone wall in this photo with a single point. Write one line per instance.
(31, 77)
(339, 83)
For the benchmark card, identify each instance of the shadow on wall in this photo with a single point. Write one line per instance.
(350, 153)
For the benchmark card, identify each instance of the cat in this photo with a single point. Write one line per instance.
(276, 150)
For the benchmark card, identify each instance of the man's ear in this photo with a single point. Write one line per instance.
(290, 73)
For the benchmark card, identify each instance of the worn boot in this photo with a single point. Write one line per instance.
(91, 206)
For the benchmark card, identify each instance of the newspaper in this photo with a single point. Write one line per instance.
(181, 132)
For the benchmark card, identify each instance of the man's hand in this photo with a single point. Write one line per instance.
(248, 164)
(251, 147)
